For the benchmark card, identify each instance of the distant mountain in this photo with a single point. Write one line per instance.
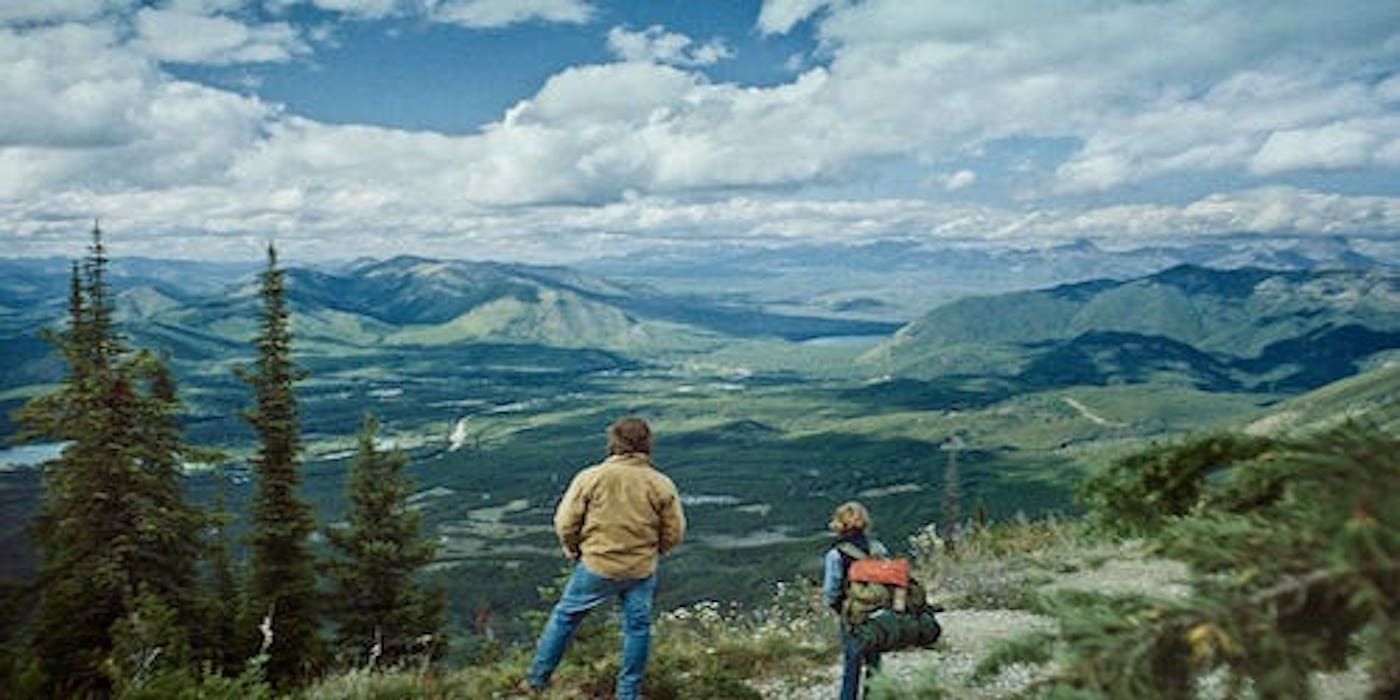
(402, 302)
(29, 282)
(903, 278)
(1223, 328)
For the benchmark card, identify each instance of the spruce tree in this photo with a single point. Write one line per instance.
(282, 586)
(113, 524)
(1296, 551)
(219, 643)
(382, 613)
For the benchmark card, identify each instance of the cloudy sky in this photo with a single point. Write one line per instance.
(549, 130)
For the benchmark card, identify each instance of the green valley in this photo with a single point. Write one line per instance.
(500, 380)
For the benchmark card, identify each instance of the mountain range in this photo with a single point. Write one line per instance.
(902, 279)
(1222, 329)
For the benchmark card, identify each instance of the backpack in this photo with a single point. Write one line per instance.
(877, 583)
(885, 607)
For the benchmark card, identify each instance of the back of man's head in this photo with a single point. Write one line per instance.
(629, 435)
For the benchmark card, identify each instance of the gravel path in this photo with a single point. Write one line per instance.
(967, 637)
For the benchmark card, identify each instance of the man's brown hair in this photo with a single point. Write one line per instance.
(629, 435)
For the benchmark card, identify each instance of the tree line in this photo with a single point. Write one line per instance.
(137, 588)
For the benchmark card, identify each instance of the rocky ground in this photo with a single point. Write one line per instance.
(969, 635)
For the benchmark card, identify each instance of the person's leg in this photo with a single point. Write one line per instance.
(872, 666)
(850, 665)
(636, 636)
(584, 591)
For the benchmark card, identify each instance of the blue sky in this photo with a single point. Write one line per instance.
(552, 130)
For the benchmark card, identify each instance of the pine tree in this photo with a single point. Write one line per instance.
(113, 524)
(382, 613)
(282, 586)
(219, 642)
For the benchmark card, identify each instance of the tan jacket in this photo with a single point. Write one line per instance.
(620, 516)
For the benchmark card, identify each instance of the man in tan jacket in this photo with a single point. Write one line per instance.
(616, 519)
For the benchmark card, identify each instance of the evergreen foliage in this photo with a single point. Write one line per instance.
(1141, 491)
(219, 644)
(1297, 572)
(282, 586)
(113, 527)
(383, 614)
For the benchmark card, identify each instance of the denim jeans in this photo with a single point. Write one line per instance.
(852, 662)
(587, 590)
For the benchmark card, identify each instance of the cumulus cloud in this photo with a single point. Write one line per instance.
(959, 180)
(780, 16)
(311, 221)
(656, 45)
(42, 11)
(1146, 88)
(364, 9)
(648, 147)
(1334, 146)
(186, 37)
(501, 13)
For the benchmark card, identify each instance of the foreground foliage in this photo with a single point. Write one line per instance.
(382, 611)
(1297, 557)
(282, 588)
(114, 531)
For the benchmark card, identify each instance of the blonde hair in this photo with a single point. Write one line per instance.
(850, 516)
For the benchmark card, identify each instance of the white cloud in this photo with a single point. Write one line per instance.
(1332, 146)
(959, 180)
(501, 13)
(780, 16)
(316, 221)
(41, 11)
(69, 86)
(656, 45)
(646, 148)
(179, 36)
(364, 9)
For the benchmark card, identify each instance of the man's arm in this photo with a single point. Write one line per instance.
(672, 521)
(568, 518)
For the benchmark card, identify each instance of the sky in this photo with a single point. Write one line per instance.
(556, 130)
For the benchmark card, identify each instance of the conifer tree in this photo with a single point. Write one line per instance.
(382, 612)
(1296, 550)
(219, 642)
(113, 524)
(282, 586)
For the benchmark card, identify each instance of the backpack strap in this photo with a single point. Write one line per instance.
(851, 550)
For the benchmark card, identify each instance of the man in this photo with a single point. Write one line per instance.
(616, 519)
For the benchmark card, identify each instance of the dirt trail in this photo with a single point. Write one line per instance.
(970, 635)
(1089, 414)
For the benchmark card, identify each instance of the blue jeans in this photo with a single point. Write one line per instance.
(851, 665)
(587, 590)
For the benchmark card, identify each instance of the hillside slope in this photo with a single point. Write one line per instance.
(1225, 329)
(1370, 396)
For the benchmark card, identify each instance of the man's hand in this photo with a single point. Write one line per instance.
(570, 554)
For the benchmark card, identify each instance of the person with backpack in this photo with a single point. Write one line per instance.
(850, 521)
(615, 520)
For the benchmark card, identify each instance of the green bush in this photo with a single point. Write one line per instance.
(1138, 493)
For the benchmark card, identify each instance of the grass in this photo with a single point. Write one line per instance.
(706, 651)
